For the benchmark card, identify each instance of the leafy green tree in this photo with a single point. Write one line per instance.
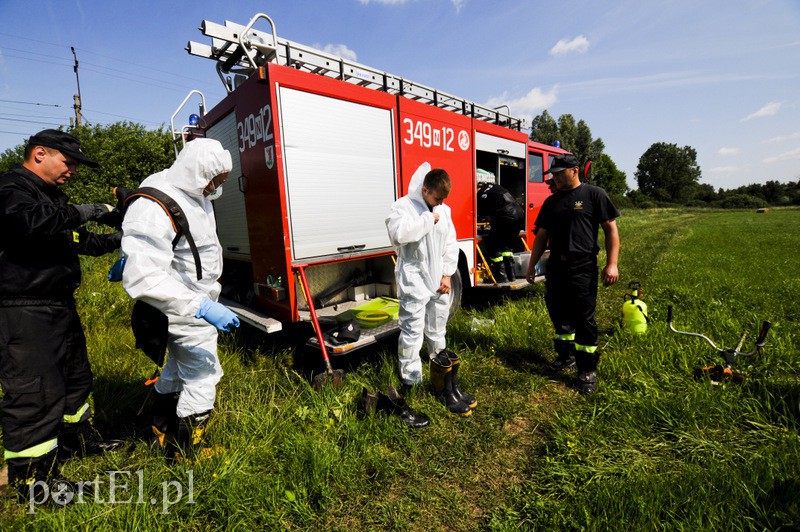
(668, 173)
(11, 158)
(605, 174)
(544, 129)
(705, 192)
(126, 152)
(568, 131)
(572, 136)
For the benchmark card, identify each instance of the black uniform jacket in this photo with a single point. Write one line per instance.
(497, 202)
(40, 241)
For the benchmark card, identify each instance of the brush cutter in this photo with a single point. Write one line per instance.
(718, 373)
(330, 375)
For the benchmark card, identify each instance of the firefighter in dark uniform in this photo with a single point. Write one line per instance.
(569, 220)
(44, 369)
(507, 219)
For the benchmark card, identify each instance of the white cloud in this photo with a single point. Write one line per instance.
(788, 156)
(577, 45)
(340, 50)
(536, 100)
(724, 169)
(770, 109)
(781, 138)
(728, 151)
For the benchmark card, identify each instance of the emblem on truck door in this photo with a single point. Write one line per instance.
(269, 156)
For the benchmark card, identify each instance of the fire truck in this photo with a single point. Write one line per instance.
(322, 146)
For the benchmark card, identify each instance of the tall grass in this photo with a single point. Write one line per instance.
(652, 449)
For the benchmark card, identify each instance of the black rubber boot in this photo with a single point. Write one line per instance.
(508, 262)
(82, 440)
(26, 476)
(442, 380)
(165, 422)
(190, 439)
(587, 371)
(37, 482)
(498, 271)
(455, 363)
(393, 403)
(566, 355)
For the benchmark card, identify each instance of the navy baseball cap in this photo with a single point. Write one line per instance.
(63, 142)
(563, 162)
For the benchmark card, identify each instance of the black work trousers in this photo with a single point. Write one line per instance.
(44, 371)
(502, 236)
(571, 296)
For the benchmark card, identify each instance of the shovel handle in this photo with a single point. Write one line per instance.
(314, 320)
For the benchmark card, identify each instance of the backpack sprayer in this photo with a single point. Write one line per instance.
(718, 373)
(634, 310)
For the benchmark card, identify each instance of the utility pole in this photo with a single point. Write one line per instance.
(77, 97)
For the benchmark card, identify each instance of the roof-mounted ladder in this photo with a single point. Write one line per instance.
(240, 50)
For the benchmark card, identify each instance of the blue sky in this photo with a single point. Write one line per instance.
(722, 76)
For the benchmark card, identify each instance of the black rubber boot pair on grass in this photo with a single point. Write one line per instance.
(444, 377)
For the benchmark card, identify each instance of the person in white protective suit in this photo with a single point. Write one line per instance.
(166, 278)
(421, 230)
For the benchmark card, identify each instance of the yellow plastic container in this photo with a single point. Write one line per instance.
(634, 310)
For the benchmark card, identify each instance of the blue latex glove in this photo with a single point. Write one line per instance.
(115, 273)
(217, 315)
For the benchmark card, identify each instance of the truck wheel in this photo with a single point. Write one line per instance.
(456, 291)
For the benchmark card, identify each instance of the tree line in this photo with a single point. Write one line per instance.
(666, 175)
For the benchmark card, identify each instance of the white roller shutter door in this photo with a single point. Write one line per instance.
(484, 142)
(340, 173)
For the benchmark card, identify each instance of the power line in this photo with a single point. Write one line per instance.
(83, 50)
(161, 84)
(32, 103)
(29, 116)
(37, 60)
(26, 121)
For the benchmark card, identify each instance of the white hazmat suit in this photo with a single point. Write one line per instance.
(426, 251)
(166, 278)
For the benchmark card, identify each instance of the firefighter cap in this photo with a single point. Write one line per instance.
(63, 142)
(562, 162)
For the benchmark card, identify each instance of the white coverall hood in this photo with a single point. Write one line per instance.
(417, 180)
(200, 161)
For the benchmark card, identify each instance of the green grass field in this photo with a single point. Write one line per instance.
(653, 449)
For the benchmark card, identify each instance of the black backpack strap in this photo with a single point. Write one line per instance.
(179, 222)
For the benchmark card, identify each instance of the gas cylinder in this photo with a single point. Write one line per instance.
(634, 310)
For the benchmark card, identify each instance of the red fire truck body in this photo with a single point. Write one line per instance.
(319, 158)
